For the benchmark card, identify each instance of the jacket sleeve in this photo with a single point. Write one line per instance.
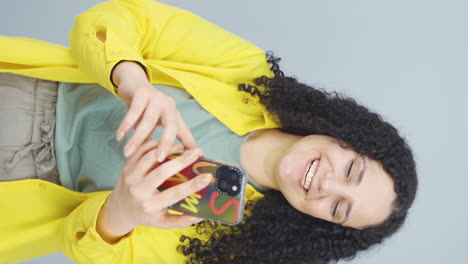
(165, 40)
(79, 240)
(32, 212)
(106, 34)
(39, 218)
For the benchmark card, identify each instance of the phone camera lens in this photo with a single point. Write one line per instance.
(228, 181)
(234, 176)
(223, 185)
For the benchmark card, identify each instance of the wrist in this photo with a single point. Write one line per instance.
(108, 227)
(128, 72)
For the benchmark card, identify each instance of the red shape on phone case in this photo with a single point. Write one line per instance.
(225, 206)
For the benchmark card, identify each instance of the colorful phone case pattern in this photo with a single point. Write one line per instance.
(210, 202)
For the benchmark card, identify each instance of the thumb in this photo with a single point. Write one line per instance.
(181, 221)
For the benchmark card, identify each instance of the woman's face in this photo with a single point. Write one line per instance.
(321, 178)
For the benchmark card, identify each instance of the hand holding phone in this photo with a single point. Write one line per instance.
(136, 200)
(222, 200)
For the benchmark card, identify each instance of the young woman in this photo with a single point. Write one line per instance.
(330, 177)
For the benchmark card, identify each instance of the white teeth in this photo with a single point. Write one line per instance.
(310, 172)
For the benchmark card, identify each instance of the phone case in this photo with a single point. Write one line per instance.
(221, 200)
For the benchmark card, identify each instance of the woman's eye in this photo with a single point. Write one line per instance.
(350, 169)
(335, 208)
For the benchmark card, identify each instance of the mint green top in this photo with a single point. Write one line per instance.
(89, 158)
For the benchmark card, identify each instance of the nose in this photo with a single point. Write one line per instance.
(331, 186)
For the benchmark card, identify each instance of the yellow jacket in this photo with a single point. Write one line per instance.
(176, 48)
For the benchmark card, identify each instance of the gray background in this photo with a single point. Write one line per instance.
(407, 60)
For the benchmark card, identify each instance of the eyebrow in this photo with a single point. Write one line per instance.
(347, 214)
(361, 175)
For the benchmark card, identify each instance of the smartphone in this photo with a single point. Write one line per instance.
(222, 200)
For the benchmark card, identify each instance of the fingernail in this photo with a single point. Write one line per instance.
(120, 136)
(192, 154)
(199, 152)
(196, 220)
(129, 150)
(161, 156)
(205, 179)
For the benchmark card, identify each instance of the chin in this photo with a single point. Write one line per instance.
(285, 169)
(287, 173)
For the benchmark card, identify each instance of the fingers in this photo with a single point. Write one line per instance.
(137, 106)
(168, 136)
(168, 169)
(181, 191)
(143, 149)
(147, 146)
(143, 130)
(145, 159)
(180, 221)
(137, 187)
(148, 109)
(176, 148)
(184, 135)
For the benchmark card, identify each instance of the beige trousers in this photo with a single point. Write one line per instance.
(27, 128)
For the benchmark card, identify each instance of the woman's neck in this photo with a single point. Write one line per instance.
(261, 153)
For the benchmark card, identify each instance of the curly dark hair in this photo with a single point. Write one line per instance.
(275, 232)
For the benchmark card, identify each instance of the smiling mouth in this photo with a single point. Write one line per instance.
(310, 172)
